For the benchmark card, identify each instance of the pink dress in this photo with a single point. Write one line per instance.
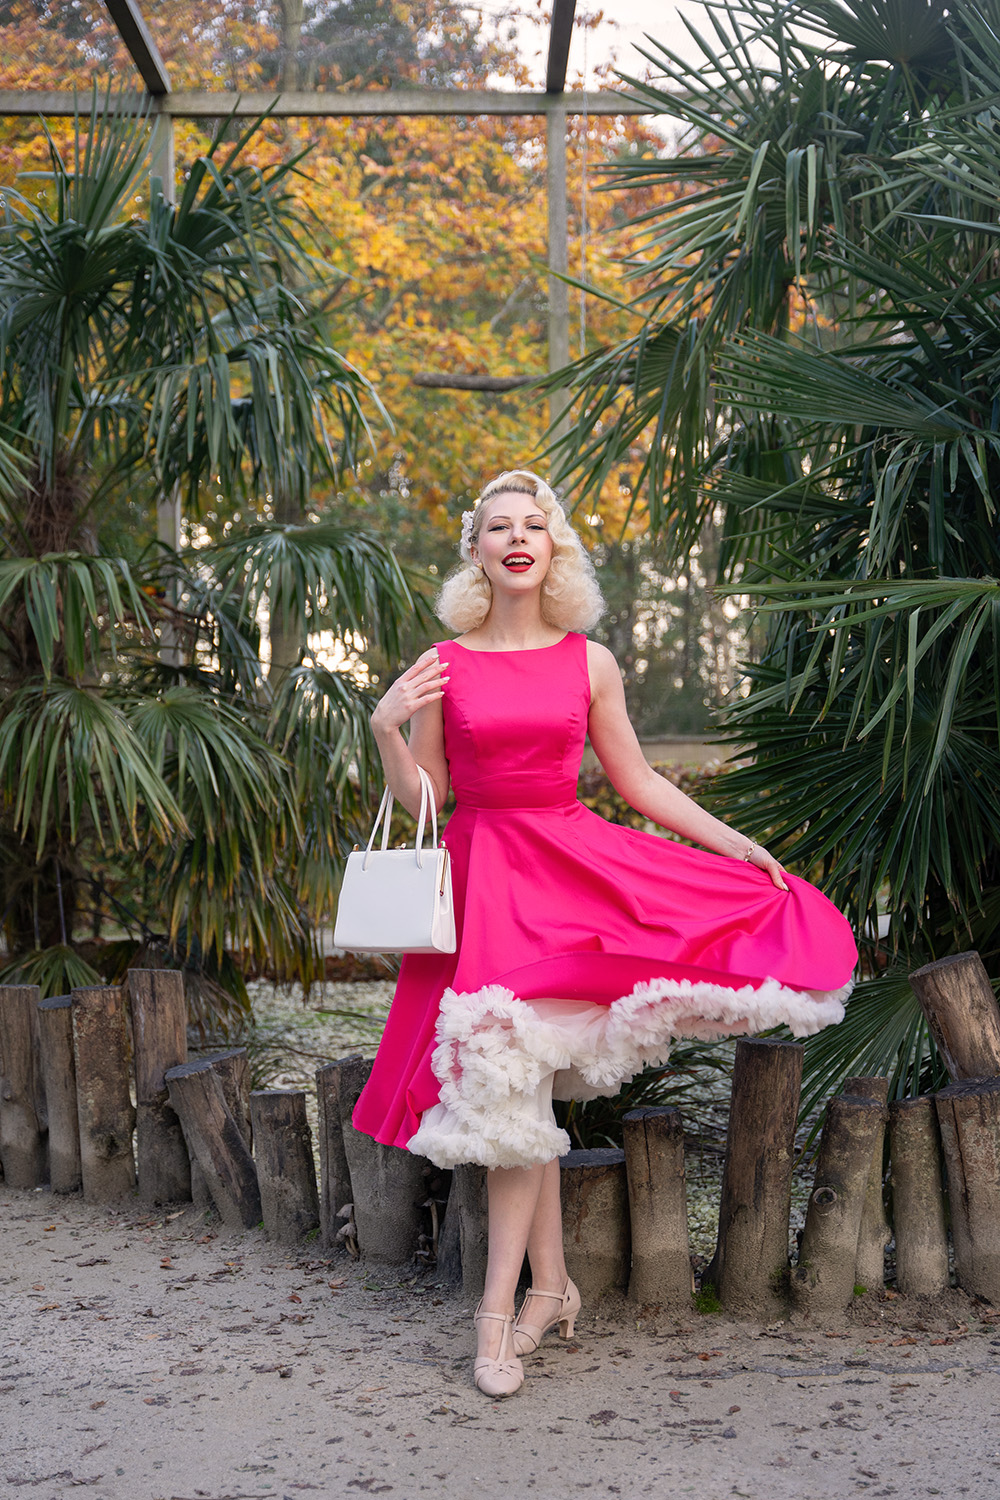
(584, 948)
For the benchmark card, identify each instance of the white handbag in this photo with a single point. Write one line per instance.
(398, 900)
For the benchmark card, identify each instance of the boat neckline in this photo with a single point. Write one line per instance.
(514, 650)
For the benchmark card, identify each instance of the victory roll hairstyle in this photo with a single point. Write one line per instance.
(571, 599)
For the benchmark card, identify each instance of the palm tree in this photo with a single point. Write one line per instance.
(815, 368)
(146, 762)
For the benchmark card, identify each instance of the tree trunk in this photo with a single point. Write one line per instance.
(159, 1039)
(55, 1037)
(750, 1267)
(957, 998)
(22, 1106)
(335, 1176)
(874, 1234)
(657, 1195)
(918, 1198)
(823, 1281)
(969, 1116)
(104, 1104)
(596, 1236)
(286, 1170)
(215, 1141)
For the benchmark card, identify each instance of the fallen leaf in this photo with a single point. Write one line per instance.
(166, 1262)
(295, 1297)
(49, 1228)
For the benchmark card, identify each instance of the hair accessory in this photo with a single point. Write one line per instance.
(468, 518)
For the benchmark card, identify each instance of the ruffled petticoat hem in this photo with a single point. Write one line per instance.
(501, 1060)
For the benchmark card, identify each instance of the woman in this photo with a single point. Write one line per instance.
(583, 948)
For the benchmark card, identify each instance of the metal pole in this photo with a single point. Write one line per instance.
(558, 259)
(162, 183)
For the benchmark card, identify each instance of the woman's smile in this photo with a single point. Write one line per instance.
(518, 562)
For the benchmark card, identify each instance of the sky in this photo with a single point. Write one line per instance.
(612, 40)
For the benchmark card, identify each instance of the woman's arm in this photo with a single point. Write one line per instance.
(414, 697)
(619, 752)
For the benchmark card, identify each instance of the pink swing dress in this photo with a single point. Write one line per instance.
(584, 949)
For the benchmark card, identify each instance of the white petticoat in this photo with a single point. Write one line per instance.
(501, 1061)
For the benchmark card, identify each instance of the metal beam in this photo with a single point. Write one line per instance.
(136, 35)
(207, 104)
(555, 177)
(560, 35)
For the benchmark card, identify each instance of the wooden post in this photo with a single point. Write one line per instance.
(823, 1281)
(596, 1236)
(104, 1104)
(750, 1268)
(918, 1198)
(159, 1040)
(286, 1170)
(657, 1196)
(335, 1176)
(22, 1107)
(957, 998)
(874, 1234)
(233, 1072)
(969, 1116)
(215, 1141)
(55, 1043)
(462, 1253)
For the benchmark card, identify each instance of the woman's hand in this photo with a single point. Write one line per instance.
(760, 857)
(419, 685)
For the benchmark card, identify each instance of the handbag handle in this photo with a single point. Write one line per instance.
(384, 816)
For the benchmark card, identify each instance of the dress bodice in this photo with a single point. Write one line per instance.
(515, 723)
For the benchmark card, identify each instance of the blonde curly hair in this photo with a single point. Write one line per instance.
(571, 598)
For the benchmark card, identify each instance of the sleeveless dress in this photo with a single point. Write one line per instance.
(584, 948)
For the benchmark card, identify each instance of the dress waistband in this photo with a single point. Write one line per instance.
(567, 805)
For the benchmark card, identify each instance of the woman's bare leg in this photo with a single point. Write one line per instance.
(525, 1214)
(545, 1247)
(513, 1194)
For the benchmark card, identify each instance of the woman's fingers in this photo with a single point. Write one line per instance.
(770, 866)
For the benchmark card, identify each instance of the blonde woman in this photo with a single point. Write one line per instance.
(584, 948)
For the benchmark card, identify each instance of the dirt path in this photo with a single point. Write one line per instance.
(145, 1360)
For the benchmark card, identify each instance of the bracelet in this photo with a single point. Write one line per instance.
(751, 847)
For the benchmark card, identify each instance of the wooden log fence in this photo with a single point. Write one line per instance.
(215, 1140)
(286, 1169)
(596, 1232)
(823, 1281)
(874, 1232)
(104, 1103)
(67, 1118)
(660, 1271)
(55, 1042)
(969, 1116)
(918, 1207)
(159, 1037)
(750, 1269)
(22, 1107)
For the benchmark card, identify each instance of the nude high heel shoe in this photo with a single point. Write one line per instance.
(504, 1375)
(528, 1336)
